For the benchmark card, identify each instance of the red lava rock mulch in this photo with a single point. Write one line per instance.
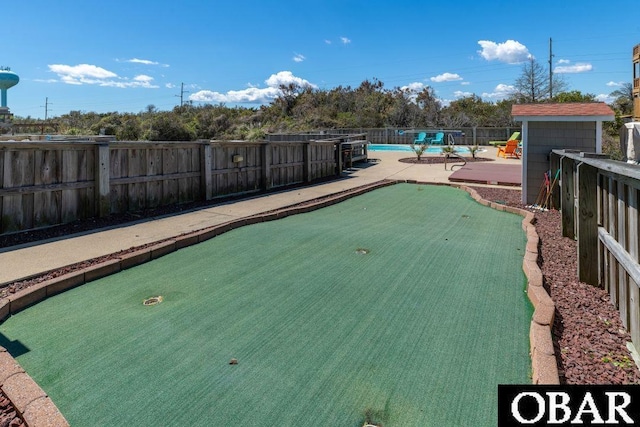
(8, 414)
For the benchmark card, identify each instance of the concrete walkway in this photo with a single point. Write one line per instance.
(17, 263)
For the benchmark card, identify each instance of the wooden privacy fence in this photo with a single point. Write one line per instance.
(49, 183)
(599, 202)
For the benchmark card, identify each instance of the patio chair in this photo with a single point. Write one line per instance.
(515, 135)
(438, 139)
(421, 138)
(509, 150)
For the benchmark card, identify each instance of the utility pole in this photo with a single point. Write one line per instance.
(182, 92)
(46, 108)
(46, 115)
(550, 69)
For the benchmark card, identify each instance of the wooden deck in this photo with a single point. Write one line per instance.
(489, 173)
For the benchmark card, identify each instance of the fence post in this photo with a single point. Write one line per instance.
(266, 165)
(554, 165)
(587, 224)
(623, 278)
(567, 203)
(634, 294)
(306, 156)
(338, 153)
(206, 177)
(103, 190)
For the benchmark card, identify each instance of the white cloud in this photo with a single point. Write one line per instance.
(465, 83)
(81, 71)
(345, 40)
(501, 91)
(563, 61)
(252, 94)
(578, 67)
(605, 98)
(461, 94)
(298, 57)
(615, 84)
(169, 85)
(286, 77)
(85, 74)
(138, 81)
(142, 61)
(446, 77)
(414, 87)
(511, 51)
(327, 41)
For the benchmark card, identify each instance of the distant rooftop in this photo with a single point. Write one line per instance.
(593, 110)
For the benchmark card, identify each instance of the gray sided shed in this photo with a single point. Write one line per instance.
(546, 127)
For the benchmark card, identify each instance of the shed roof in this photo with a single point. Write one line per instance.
(565, 111)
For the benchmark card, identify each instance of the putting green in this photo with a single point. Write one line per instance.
(404, 306)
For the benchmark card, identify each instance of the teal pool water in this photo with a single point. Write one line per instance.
(404, 147)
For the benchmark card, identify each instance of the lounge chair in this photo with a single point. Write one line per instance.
(515, 135)
(509, 150)
(438, 139)
(421, 138)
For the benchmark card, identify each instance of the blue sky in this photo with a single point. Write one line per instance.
(125, 55)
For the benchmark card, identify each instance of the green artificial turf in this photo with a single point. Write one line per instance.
(419, 331)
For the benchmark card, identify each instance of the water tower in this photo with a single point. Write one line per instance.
(8, 79)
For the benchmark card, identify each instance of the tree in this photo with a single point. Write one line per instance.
(574, 96)
(168, 127)
(469, 111)
(371, 103)
(430, 106)
(533, 83)
(624, 99)
(287, 98)
(400, 113)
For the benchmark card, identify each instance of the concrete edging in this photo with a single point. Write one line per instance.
(543, 360)
(30, 401)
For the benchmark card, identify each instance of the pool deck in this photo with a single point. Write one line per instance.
(34, 259)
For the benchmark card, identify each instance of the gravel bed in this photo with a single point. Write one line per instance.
(8, 415)
(589, 338)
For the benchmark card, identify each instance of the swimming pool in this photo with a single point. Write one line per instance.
(434, 149)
